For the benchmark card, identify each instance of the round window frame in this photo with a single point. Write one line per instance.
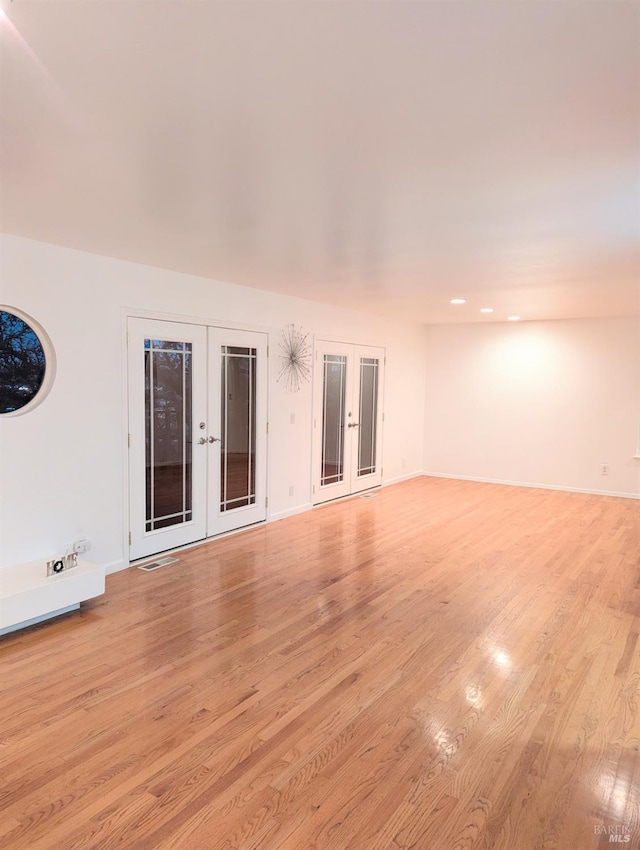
(50, 363)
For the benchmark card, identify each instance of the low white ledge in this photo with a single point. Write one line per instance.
(28, 595)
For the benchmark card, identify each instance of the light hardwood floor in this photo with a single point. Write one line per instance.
(445, 665)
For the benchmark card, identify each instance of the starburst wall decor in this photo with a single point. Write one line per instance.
(295, 358)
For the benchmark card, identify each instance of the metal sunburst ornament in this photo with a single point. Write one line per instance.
(295, 358)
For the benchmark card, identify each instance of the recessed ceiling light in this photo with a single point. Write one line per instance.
(458, 301)
(513, 319)
(487, 309)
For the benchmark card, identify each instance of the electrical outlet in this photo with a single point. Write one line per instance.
(604, 469)
(81, 545)
(291, 490)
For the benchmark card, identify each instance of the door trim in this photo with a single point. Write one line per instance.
(127, 313)
(351, 484)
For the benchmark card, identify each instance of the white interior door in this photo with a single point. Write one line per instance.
(238, 432)
(347, 437)
(197, 432)
(167, 365)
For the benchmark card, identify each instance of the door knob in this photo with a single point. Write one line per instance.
(201, 441)
(214, 439)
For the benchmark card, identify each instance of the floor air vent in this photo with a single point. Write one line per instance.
(155, 565)
(368, 496)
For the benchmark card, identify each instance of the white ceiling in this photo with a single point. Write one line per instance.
(382, 155)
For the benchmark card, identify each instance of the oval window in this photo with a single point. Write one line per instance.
(27, 362)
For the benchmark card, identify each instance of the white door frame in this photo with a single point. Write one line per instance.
(189, 326)
(350, 480)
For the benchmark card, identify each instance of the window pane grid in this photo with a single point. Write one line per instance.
(238, 427)
(168, 432)
(334, 388)
(368, 412)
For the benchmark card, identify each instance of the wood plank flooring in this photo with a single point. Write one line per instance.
(446, 665)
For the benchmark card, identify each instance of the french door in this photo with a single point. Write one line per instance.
(197, 432)
(347, 419)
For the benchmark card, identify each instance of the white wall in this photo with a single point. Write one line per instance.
(62, 465)
(535, 403)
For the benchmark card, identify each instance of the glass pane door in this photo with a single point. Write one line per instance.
(334, 381)
(347, 419)
(366, 470)
(197, 432)
(167, 463)
(238, 417)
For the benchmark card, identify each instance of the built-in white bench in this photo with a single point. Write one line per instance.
(28, 595)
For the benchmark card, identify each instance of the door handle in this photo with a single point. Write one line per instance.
(215, 439)
(201, 441)
(353, 424)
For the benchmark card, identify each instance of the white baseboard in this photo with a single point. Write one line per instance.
(533, 485)
(389, 481)
(115, 567)
(299, 509)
